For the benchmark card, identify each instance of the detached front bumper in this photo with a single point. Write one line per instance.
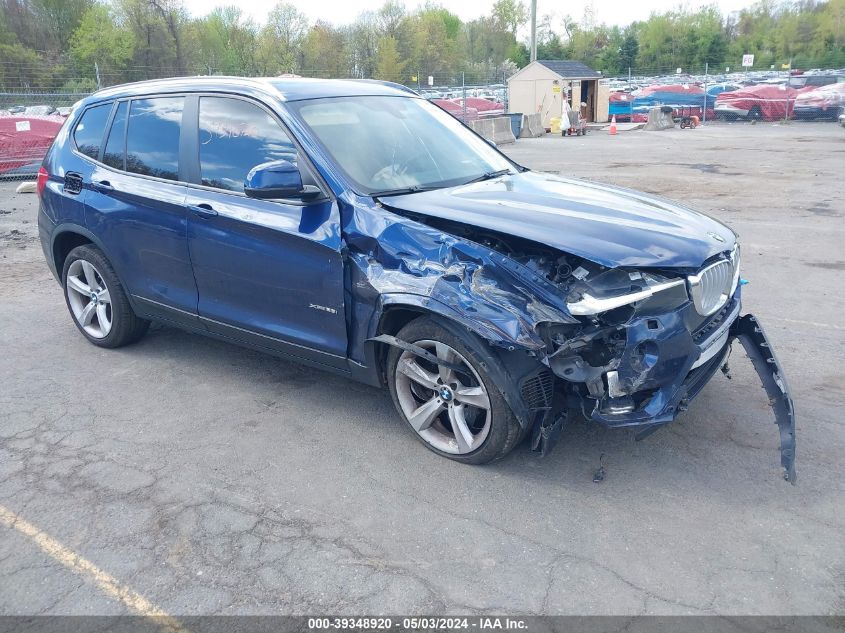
(665, 365)
(750, 333)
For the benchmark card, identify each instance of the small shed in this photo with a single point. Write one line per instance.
(543, 85)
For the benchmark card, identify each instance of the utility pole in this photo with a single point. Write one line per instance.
(464, 99)
(704, 111)
(97, 73)
(786, 90)
(630, 101)
(533, 30)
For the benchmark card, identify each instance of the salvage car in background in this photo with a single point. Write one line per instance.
(826, 102)
(358, 228)
(763, 102)
(24, 140)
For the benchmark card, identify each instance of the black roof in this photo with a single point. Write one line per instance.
(569, 69)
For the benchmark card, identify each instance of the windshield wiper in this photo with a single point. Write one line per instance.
(401, 190)
(488, 175)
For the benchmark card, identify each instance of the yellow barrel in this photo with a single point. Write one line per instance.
(555, 123)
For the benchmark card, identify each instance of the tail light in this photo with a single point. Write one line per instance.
(41, 181)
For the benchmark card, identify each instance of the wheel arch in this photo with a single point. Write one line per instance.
(508, 366)
(68, 236)
(64, 241)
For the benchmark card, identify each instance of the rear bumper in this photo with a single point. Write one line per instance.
(45, 235)
(816, 112)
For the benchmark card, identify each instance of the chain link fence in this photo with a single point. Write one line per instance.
(30, 119)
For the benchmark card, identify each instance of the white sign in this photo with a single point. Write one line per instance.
(22, 126)
(748, 61)
(430, 80)
(678, 71)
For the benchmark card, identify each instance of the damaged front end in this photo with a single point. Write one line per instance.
(624, 346)
(647, 344)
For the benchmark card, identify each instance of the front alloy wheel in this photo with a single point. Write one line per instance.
(449, 409)
(453, 405)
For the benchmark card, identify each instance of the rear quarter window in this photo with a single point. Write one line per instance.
(88, 133)
(152, 138)
(113, 154)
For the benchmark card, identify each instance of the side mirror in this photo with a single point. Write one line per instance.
(277, 179)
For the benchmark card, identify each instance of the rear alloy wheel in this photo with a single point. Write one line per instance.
(454, 408)
(96, 299)
(89, 299)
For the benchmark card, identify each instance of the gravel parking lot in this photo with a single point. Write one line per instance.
(214, 480)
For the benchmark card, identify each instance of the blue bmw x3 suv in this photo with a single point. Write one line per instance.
(356, 227)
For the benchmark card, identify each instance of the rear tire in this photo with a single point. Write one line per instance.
(97, 301)
(433, 400)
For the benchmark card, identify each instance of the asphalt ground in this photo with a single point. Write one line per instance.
(186, 476)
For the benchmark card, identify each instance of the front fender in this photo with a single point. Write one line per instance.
(392, 260)
(490, 322)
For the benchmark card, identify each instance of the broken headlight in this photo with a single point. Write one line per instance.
(616, 288)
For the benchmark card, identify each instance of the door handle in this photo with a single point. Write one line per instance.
(102, 185)
(203, 210)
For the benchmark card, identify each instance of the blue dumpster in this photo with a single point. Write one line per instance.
(516, 122)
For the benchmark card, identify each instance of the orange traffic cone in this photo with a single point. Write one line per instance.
(613, 126)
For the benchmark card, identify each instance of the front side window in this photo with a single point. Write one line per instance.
(234, 137)
(152, 138)
(384, 143)
(113, 154)
(88, 134)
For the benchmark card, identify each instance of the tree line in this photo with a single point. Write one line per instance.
(80, 44)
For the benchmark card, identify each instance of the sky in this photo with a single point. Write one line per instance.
(611, 12)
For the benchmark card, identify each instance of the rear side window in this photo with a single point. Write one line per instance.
(152, 138)
(115, 145)
(234, 137)
(88, 134)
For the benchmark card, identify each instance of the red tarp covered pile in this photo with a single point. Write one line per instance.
(24, 140)
(484, 107)
(456, 110)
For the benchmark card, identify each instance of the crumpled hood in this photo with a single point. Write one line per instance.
(608, 225)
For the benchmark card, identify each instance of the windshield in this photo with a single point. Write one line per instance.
(397, 143)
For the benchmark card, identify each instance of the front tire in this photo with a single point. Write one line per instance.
(97, 301)
(461, 415)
